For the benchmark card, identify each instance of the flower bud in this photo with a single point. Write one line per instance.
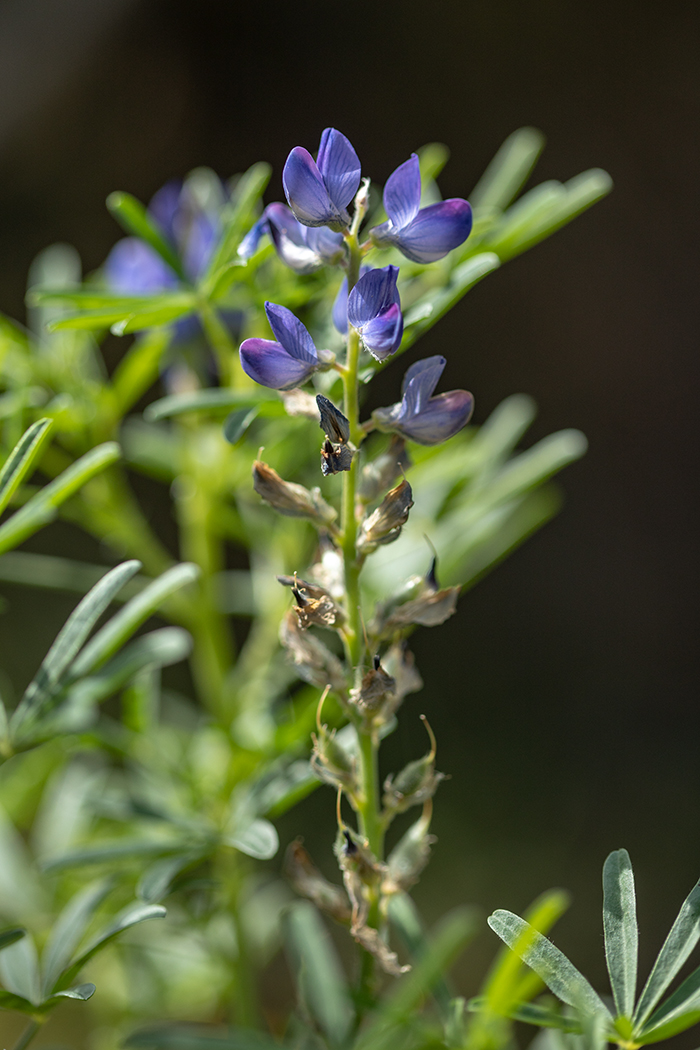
(290, 499)
(385, 523)
(308, 882)
(410, 855)
(314, 662)
(382, 472)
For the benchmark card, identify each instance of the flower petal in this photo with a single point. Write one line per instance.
(249, 245)
(199, 243)
(421, 379)
(164, 206)
(134, 268)
(441, 418)
(435, 231)
(373, 294)
(402, 193)
(269, 364)
(288, 238)
(340, 308)
(329, 245)
(291, 333)
(306, 191)
(340, 167)
(382, 335)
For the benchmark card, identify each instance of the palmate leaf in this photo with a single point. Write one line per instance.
(560, 975)
(620, 928)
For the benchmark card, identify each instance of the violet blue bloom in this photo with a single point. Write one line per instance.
(319, 191)
(301, 248)
(134, 268)
(374, 309)
(340, 306)
(283, 364)
(421, 234)
(419, 416)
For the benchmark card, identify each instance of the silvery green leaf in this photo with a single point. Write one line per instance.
(560, 975)
(79, 991)
(9, 936)
(21, 459)
(19, 969)
(681, 940)
(678, 1012)
(620, 928)
(68, 931)
(258, 839)
(182, 1037)
(508, 170)
(157, 879)
(131, 916)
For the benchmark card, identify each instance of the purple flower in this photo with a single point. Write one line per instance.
(320, 191)
(419, 416)
(134, 268)
(421, 234)
(340, 304)
(283, 364)
(301, 248)
(374, 308)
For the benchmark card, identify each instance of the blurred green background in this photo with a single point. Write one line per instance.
(564, 694)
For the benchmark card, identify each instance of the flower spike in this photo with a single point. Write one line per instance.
(283, 364)
(423, 235)
(320, 191)
(421, 417)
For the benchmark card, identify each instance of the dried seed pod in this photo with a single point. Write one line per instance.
(290, 499)
(383, 472)
(331, 762)
(385, 523)
(416, 782)
(314, 662)
(308, 882)
(410, 855)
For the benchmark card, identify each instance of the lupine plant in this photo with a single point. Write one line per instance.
(256, 333)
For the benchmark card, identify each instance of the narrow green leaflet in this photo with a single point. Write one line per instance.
(530, 1013)
(60, 574)
(404, 916)
(508, 981)
(560, 975)
(19, 970)
(680, 1011)
(508, 170)
(134, 218)
(9, 936)
(21, 459)
(83, 992)
(123, 316)
(238, 422)
(160, 648)
(683, 937)
(113, 635)
(70, 640)
(248, 191)
(139, 368)
(132, 916)
(109, 852)
(156, 881)
(213, 400)
(69, 930)
(42, 507)
(445, 944)
(170, 308)
(259, 839)
(322, 984)
(620, 928)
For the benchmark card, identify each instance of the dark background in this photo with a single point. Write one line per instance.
(565, 692)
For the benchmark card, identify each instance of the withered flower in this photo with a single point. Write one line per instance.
(428, 610)
(319, 611)
(410, 855)
(308, 882)
(314, 662)
(336, 451)
(382, 472)
(416, 783)
(376, 687)
(385, 523)
(291, 499)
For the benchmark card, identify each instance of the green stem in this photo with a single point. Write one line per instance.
(221, 342)
(28, 1034)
